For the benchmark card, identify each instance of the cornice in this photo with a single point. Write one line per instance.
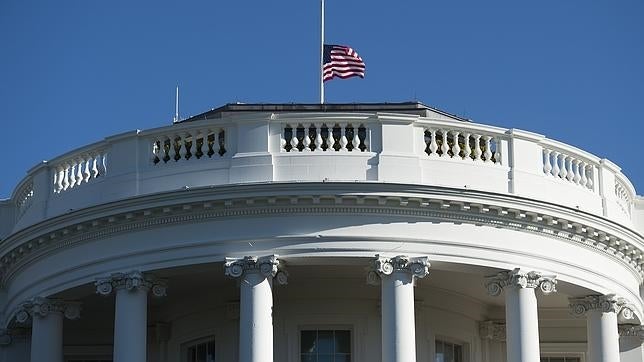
(203, 204)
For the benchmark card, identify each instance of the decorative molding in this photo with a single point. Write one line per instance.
(520, 279)
(265, 265)
(418, 267)
(610, 303)
(608, 239)
(131, 281)
(42, 307)
(631, 330)
(492, 330)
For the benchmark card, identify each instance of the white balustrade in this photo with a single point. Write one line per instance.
(196, 144)
(79, 170)
(24, 197)
(569, 168)
(324, 137)
(624, 199)
(462, 144)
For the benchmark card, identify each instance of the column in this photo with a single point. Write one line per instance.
(131, 312)
(163, 335)
(255, 304)
(601, 324)
(47, 326)
(397, 276)
(522, 321)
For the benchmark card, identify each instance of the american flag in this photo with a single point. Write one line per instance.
(342, 62)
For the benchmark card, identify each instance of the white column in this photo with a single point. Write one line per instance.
(601, 324)
(522, 323)
(47, 338)
(130, 317)
(397, 276)
(47, 326)
(255, 305)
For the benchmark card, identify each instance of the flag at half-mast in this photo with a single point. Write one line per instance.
(341, 61)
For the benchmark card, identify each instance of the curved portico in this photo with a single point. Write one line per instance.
(266, 226)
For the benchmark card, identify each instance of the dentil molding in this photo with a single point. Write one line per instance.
(607, 241)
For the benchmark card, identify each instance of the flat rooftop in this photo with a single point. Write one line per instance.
(415, 108)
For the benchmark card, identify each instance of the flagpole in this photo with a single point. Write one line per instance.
(322, 53)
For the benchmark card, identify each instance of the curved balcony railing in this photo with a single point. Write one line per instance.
(283, 147)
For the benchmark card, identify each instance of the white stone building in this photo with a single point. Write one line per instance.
(288, 233)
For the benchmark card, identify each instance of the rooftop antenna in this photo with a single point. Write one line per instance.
(176, 107)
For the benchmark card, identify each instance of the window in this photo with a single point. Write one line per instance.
(560, 359)
(325, 346)
(448, 352)
(202, 350)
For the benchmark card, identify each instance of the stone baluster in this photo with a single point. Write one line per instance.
(130, 319)
(456, 148)
(255, 304)
(156, 151)
(294, 140)
(562, 169)
(487, 154)
(522, 326)
(343, 137)
(330, 140)
(477, 147)
(318, 137)
(577, 174)
(65, 176)
(94, 169)
(79, 171)
(306, 140)
(497, 150)
(433, 145)
(356, 140)
(72, 173)
(547, 162)
(601, 313)
(397, 278)
(467, 150)
(183, 146)
(47, 317)
(444, 146)
(193, 144)
(60, 178)
(102, 169)
(555, 163)
(570, 173)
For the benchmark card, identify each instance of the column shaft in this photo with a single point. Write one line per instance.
(130, 325)
(255, 318)
(603, 336)
(47, 338)
(522, 324)
(398, 324)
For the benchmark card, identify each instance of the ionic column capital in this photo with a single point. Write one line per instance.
(42, 307)
(268, 266)
(492, 330)
(518, 278)
(631, 330)
(606, 303)
(133, 280)
(418, 267)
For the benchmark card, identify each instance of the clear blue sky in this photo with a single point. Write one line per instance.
(73, 72)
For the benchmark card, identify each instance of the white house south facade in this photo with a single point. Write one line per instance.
(315, 233)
